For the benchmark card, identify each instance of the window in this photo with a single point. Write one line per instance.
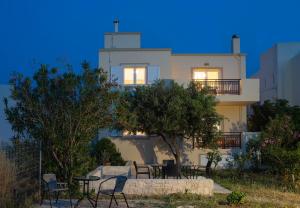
(138, 133)
(206, 73)
(134, 75)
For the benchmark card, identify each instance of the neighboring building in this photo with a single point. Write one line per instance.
(125, 60)
(279, 73)
(5, 128)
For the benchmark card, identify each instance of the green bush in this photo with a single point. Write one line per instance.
(213, 158)
(236, 197)
(105, 151)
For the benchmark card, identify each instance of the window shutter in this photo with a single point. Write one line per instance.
(153, 74)
(117, 74)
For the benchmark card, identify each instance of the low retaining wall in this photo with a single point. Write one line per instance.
(150, 187)
(108, 171)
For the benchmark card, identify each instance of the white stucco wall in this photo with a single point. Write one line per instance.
(279, 72)
(122, 40)
(5, 128)
(268, 75)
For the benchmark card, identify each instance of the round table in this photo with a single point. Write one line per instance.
(86, 188)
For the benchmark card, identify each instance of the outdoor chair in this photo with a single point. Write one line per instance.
(166, 162)
(118, 189)
(141, 169)
(52, 187)
(170, 170)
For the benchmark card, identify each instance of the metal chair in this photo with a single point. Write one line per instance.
(118, 189)
(51, 186)
(170, 170)
(141, 169)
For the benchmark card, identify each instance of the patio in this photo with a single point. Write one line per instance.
(139, 190)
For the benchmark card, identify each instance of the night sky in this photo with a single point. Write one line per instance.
(57, 32)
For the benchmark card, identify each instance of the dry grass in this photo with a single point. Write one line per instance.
(263, 190)
(7, 179)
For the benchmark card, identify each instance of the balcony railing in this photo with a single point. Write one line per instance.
(219, 86)
(230, 140)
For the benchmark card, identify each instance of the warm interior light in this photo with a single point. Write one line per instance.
(206, 74)
(199, 75)
(138, 133)
(134, 75)
(140, 75)
(212, 75)
(128, 75)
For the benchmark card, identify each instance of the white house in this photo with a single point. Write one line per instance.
(129, 63)
(279, 72)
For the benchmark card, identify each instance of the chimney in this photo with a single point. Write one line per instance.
(116, 24)
(235, 44)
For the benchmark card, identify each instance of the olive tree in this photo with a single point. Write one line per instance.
(172, 112)
(64, 110)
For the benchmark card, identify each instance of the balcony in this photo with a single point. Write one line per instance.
(230, 140)
(219, 86)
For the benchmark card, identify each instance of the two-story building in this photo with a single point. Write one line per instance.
(129, 63)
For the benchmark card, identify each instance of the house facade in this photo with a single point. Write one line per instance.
(130, 64)
(279, 72)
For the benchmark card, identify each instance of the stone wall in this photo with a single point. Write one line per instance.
(152, 187)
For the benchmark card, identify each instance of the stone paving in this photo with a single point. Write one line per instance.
(133, 203)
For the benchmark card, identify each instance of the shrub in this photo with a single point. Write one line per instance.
(238, 162)
(7, 182)
(236, 197)
(213, 158)
(280, 147)
(105, 151)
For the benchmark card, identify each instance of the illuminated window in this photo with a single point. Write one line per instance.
(134, 75)
(206, 73)
(138, 133)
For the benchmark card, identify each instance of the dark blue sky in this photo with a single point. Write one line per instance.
(69, 31)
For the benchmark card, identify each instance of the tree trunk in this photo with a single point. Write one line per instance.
(208, 170)
(178, 165)
(178, 161)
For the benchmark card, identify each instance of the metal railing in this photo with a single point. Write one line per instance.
(219, 86)
(230, 140)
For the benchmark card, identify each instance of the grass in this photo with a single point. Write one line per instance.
(262, 190)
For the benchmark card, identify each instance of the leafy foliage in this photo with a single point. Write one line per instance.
(64, 111)
(279, 147)
(236, 197)
(105, 151)
(172, 112)
(262, 114)
(213, 158)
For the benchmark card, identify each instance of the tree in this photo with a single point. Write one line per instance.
(105, 150)
(279, 146)
(172, 112)
(263, 113)
(64, 111)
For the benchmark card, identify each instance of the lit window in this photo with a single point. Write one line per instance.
(138, 133)
(206, 73)
(128, 75)
(134, 75)
(199, 75)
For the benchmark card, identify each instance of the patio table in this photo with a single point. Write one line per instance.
(86, 188)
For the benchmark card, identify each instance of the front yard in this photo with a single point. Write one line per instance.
(262, 190)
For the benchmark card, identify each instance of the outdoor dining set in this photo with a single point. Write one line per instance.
(168, 169)
(52, 187)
